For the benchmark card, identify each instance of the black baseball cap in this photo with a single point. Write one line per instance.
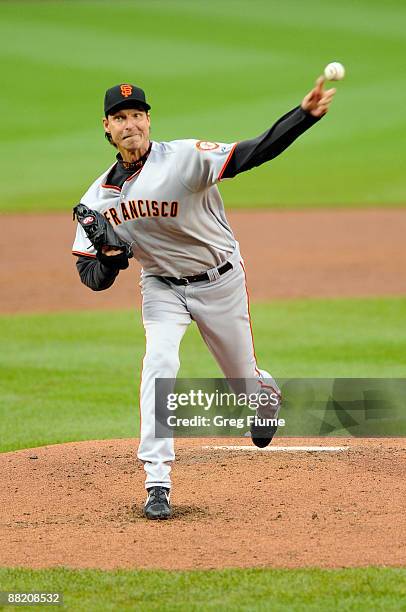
(124, 96)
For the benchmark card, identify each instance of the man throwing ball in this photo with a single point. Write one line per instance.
(162, 200)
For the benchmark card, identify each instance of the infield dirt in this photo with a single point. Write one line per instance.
(293, 254)
(79, 505)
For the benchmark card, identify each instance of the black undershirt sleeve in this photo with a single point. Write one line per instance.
(250, 153)
(94, 274)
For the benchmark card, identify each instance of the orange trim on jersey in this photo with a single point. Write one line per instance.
(128, 179)
(85, 254)
(249, 317)
(112, 187)
(132, 176)
(226, 162)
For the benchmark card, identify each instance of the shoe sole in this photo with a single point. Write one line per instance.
(157, 518)
(261, 442)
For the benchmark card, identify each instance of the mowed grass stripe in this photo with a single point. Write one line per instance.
(66, 54)
(223, 73)
(325, 16)
(75, 376)
(297, 590)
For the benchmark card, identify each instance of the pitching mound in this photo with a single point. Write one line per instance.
(79, 505)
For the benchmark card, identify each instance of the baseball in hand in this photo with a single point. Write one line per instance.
(334, 71)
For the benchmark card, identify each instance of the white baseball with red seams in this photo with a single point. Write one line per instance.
(334, 71)
(172, 213)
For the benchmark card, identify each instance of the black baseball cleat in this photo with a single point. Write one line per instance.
(157, 506)
(262, 435)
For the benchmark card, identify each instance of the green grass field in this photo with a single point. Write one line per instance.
(64, 371)
(351, 590)
(214, 70)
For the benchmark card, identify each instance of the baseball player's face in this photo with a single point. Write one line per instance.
(129, 129)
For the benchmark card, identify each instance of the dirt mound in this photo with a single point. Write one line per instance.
(79, 505)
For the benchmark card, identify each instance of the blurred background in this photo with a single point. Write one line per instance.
(218, 70)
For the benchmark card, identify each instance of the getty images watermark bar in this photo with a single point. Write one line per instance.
(207, 407)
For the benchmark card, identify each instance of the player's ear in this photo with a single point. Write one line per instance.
(107, 133)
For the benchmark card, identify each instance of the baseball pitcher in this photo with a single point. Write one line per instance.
(159, 203)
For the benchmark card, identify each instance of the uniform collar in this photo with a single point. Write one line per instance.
(133, 166)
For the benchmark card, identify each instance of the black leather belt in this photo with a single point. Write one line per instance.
(198, 277)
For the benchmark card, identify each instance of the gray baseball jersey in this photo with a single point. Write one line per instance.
(170, 211)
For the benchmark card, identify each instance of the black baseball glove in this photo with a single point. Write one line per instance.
(101, 234)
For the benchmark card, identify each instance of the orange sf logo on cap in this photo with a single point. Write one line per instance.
(126, 90)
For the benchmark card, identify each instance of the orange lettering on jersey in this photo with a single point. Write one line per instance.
(134, 209)
(140, 203)
(106, 214)
(134, 213)
(126, 216)
(114, 216)
(155, 209)
(126, 90)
